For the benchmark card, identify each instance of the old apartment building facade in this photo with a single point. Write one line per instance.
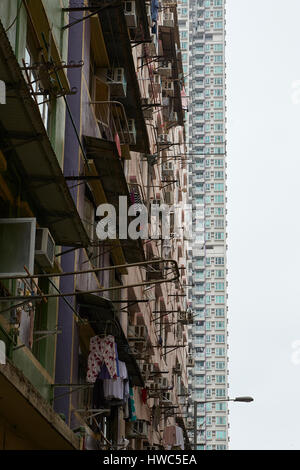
(95, 331)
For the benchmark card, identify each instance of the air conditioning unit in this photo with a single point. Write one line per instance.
(182, 317)
(166, 397)
(130, 14)
(168, 87)
(162, 382)
(173, 117)
(178, 369)
(190, 422)
(143, 429)
(147, 111)
(17, 242)
(163, 139)
(132, 430)
(137, 332)
(44, 248)
(155, 84)
(169, 198)
(132, 131)
(190, 361)
(156, 201)
(168, 167)
(148, 368)
(190, 318)
(116, 80)
(168, 19)
(165, 68)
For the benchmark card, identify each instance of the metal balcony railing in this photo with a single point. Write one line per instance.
(112, 121)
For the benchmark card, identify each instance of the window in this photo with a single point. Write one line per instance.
(218, 104)
(219, 81)
(218, 59)
(220, 379)
(220, 352)
(219, 273)
(220, 312)
(221, 407)
(218, 92)
(220, 299)
(219, 186)
(208, 406)
(219, 116)
(218, 47)
(220, 338)
(218, 25)
(220, 365)
(218, 69)
(219, 199)
(218, 14)
(221, 392)
(221, 420)
(219, 285)
(221, 435)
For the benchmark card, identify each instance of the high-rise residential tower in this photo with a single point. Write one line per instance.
(202, 31)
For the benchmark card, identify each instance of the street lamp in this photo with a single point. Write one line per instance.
(240, 399)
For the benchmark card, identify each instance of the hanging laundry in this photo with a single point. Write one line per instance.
(114, 388)
(132, 412)
(102, 350)
(25, 316)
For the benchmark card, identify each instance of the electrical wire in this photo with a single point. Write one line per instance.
(17, 14)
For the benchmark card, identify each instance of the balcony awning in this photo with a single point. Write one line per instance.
(111, 174)
(33, 419)
(119, 50)
(100, 312)
(27, 147)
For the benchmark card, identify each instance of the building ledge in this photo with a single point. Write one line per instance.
(30, 415)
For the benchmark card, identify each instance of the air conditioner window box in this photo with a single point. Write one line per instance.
(44, 248)
(165, 68)
(116, 80)
(130, 14)
(168, 87)
(17, 242)
(132, 131)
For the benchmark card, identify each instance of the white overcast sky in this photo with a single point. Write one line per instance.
(263, 62)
